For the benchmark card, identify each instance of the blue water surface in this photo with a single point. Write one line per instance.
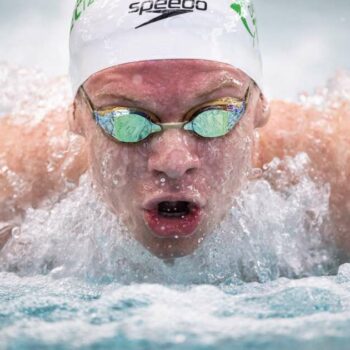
(43, 312)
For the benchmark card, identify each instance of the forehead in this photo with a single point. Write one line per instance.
(175, 78)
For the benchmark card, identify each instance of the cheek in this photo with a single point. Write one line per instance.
(227, 160)
(115, 167)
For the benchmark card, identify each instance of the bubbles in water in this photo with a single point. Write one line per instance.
(29, 94)
(330, 96)
(267, 234)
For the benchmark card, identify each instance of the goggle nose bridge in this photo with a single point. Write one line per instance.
(169, 126)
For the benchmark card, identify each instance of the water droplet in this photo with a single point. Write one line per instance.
(115, 180)
(256, 173)
(16, 232)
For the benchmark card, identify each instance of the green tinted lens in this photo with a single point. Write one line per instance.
(216, 122)
(127, 127)
(131, 128)
(211, 123)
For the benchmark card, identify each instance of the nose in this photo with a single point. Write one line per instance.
(173, 155)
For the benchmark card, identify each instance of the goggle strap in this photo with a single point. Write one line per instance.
(87, 99)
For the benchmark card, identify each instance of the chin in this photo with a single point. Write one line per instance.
(172, 253)
(164, 248)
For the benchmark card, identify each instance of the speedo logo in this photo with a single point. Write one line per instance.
(166, 8)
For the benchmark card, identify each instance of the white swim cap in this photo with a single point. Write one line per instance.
(106, 33)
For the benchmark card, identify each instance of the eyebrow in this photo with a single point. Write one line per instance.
(128, 99)
(222, 85)
(212, 87)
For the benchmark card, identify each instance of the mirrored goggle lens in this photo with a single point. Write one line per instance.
(216, 122)
(126, 127)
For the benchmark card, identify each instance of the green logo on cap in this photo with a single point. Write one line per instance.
(80, 7)
(244, 10)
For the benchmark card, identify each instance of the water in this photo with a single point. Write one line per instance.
(72, 278)
(43, 312)
(79, 237)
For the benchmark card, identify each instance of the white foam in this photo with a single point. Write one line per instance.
(267, 234)
(270, 232)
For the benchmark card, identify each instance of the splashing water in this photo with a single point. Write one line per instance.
(79, 237)
(73, 278)
(38, 94)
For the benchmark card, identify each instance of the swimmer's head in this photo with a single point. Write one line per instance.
(106, 33)
(172, 187)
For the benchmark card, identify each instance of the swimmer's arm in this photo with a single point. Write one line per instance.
(38, 162)
(325, 137)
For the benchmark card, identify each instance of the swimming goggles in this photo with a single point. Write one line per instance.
(131, 125)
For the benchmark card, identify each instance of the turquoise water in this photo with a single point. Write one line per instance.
(43, 312)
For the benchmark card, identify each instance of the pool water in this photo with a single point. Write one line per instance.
(43, 312)
(267, 278)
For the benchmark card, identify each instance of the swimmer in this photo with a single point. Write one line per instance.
(170, 119)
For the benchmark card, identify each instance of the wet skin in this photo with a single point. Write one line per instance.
(174, 165)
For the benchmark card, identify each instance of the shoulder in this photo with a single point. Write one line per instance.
(289, 131)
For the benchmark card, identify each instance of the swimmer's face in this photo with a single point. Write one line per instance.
(173, 188)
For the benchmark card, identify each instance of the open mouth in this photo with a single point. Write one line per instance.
(173, 219)
(174, 209)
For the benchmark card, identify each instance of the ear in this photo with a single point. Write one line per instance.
(262, 110)
(76, 112)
